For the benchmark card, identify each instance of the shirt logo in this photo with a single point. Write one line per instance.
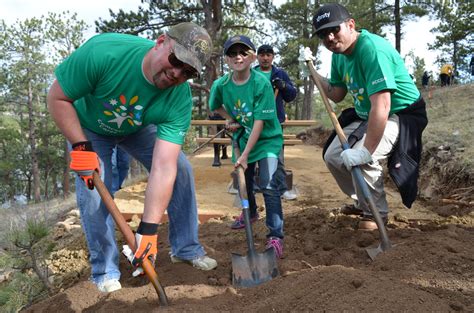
(375, 82)
(121, 111)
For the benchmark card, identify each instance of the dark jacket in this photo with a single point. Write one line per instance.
(403, 163)
(287, 95)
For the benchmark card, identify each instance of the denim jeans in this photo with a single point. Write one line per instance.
(120, 167)
(271, 180)
(98, 224)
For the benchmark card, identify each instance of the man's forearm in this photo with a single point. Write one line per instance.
(378, 116)
(158, 193)
(335, 93)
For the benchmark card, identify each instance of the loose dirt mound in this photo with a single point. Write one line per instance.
(325, 267)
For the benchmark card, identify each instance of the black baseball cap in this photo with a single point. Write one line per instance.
(265, 49)
(244, 40)
(329, 15)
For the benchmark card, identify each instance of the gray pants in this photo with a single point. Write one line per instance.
(373, 173)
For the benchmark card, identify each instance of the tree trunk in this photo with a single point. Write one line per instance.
(373, 17)
(212, 23)
(398, 27)
(33, 150)
(307, 110)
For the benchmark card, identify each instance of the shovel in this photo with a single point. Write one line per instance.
(255, 268)
(129, 237)
(356, 171)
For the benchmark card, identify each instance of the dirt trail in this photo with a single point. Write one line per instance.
(325, 267)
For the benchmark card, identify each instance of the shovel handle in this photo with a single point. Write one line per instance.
(244, 196)
(356, 171)
(128, 235)
(208, 141)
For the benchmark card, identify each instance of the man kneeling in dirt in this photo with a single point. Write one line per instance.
(388, 118)
(126, 91)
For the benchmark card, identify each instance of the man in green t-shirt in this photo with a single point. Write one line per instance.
(385, 98)
(126, 91)
(245, 98)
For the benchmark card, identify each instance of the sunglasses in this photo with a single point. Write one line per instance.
(331, 30)
(187, 70)
(234, 53)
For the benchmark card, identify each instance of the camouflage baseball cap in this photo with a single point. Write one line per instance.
(193, 44)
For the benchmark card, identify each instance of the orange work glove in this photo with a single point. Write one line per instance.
(84, 161)
(146, 240)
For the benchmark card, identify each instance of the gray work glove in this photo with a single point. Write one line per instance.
(354, 157)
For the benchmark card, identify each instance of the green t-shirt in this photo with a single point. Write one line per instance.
(246, 103)
(373, 66)
(268, 74)
(112, 96)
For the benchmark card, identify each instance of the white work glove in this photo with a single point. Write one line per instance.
(305, 55)
(130, 256)
(354, 157)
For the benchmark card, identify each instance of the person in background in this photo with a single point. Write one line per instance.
(425, 80)
(245, 98)
(283, 88)
(387, 119)
(120, 166)
(127, 91)
(446, 75)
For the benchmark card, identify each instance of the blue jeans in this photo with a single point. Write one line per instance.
(120, 167)
(272, 186)
(98, 224)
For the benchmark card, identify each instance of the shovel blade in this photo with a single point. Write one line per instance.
(254, 269)
(373, 252)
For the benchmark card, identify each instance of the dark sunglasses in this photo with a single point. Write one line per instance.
(187, 71)
(331, 30)
(234, 53)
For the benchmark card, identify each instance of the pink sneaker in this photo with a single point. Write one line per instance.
(277, 245)
(239, 222)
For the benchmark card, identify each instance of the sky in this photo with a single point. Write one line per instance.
(416, 37)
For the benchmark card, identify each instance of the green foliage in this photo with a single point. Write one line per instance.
(21, 291)
(28, 248)
(455, 33)
(31, 147)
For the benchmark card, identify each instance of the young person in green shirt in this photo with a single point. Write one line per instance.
(245, 98)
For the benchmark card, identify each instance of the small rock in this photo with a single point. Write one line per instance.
(213, 281)
(400, 218)
(452, 249)
(357, 283)
(328, 246)
(456, 306)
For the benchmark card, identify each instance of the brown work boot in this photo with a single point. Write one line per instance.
(368, 223)
(351, 209)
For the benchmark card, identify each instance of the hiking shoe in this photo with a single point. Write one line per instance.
(288, 195)
(277, 245)
(239, 222)
(203, 263)
(109, 285)
(351, 209)
(368, 222)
